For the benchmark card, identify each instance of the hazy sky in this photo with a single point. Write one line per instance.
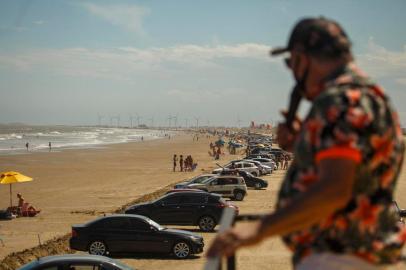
(65, 62)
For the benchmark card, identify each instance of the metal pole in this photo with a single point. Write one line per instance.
(11, 197)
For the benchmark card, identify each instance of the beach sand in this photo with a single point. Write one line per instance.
(75, 186)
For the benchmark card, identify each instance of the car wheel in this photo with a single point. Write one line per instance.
(239, 195)
(97, 248)
(207, 223)
(181, 250)
(258, 185)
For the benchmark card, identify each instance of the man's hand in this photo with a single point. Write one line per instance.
(226, 243)
(287, 135)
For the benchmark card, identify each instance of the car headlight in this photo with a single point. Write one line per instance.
(197, 239)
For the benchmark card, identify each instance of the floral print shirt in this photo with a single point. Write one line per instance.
(351, 118)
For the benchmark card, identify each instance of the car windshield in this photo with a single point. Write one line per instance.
(207, 180)
(201, 179)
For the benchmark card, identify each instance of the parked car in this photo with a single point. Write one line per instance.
(264, 161)
(122, 233)
(241, 165)
(201, 209)
(263, 169)
(228, 186)
(194, 180)
(269, 156)
(185, 189)
(75, 261)
(250, 180)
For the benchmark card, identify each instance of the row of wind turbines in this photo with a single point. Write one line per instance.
(171, 121)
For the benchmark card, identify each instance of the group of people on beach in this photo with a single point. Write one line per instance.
(283, 162)
(27, 146)
(185, 165)
(215, 151)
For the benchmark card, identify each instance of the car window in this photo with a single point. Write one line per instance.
(117, 223)
(214, 199)
(214, 182)
(173, 199)
(140, 225)
(239, 165)
(221, 181)
(84, 267)
(194, 198)
(201, 179)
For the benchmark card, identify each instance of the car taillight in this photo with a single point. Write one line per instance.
(74, 233)
(221, 205)
(237, 210)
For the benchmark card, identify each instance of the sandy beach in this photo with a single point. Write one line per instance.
(74, 186)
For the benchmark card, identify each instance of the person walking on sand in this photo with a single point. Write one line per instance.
(50, 146)
(286, 162)
(175, 159)
(181, 163)
(27, 145)
(334, 209)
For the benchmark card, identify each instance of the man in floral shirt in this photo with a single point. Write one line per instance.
(335, 207)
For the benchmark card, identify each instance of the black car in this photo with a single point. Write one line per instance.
(184, 208)
(133, 233)
(250, 180)
(74, 261)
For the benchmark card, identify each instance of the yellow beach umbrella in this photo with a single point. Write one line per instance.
(13, 177)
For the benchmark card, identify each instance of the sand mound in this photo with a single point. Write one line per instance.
(60, 245)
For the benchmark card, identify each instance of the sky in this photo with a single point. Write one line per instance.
(203, 62)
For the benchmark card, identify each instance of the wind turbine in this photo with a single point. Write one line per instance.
(176, 120)
(169, 120)
(197, 122)
(99, 119)
(238, 121)
(138, 120)
(118, 120)
(151, 121)
(131, 120)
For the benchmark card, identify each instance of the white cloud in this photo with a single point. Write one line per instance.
(380, 62)
(129, 17)
(39, 22)
(123, 63)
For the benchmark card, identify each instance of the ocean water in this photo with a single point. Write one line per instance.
(13, 138)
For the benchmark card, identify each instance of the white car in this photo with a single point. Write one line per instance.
(227, 185)
(195, 180)
(241, 165)
(267, 162)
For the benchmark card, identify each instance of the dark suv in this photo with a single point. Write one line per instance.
(250, 180)
(184, 208)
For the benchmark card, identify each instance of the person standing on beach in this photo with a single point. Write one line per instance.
(335, 206)
(50, 146)
(27, 145)
(175, 159)
(181, 163)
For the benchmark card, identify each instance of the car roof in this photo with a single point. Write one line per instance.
(119, 215)
(186, 190)
(74, 257)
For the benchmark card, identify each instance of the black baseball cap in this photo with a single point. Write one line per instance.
(319, 35)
